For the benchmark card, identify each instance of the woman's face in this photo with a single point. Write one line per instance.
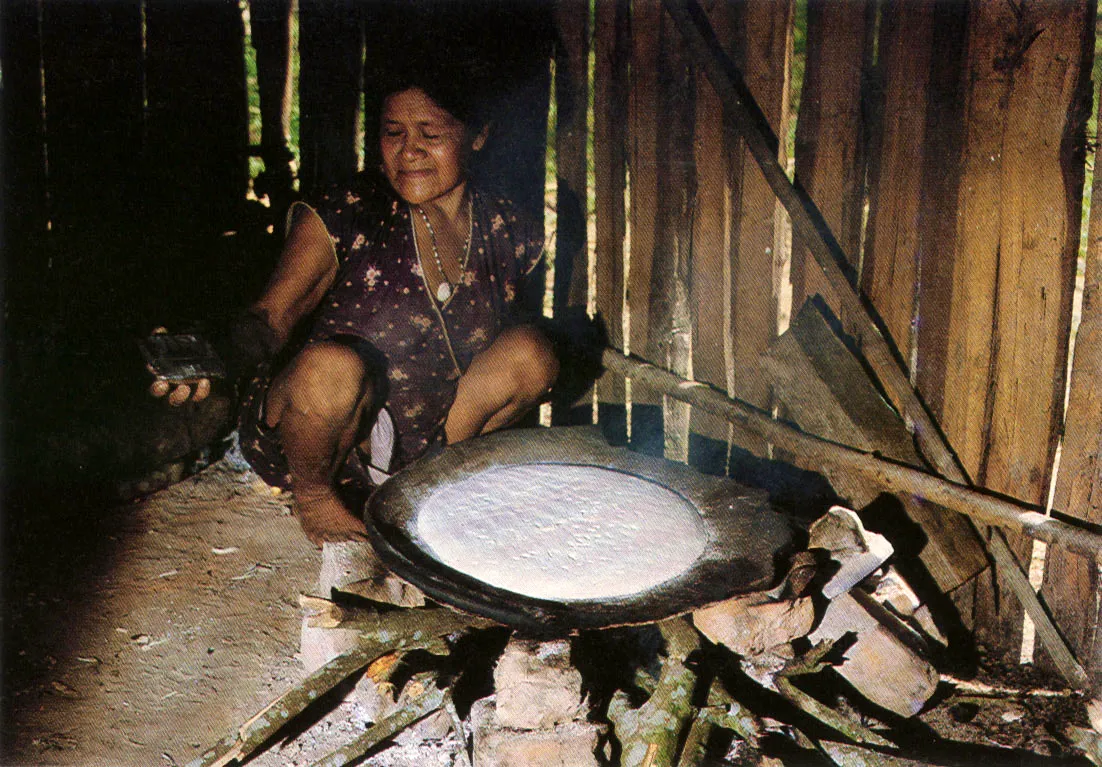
(424, 148)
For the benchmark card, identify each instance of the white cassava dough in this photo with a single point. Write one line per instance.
(561, 532)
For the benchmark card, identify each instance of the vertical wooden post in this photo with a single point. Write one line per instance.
(198, 107)
(766, 30)
(1071, 585)
(92, 56)
(830, 142)
(670, 327)
(712, 237)
(646, 26)
(890, 272)
(331, 47)
(23, 168)
(610, 112)
(571, 99)
(1010, 259)
(271, 36)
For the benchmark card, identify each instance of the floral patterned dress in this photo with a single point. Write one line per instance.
(381, 302)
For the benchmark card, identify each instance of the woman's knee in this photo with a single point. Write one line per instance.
(325, 379)
(528, 360)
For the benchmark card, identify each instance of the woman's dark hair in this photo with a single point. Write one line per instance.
(458, 87)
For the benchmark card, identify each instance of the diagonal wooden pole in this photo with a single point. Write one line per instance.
(809, 227)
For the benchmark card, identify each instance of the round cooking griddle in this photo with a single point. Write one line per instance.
(553, 530)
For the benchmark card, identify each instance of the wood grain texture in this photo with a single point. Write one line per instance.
(712, 237)
(610, 112)
(643, 117)
(830, 143)
(829, 394)
(889, 276)
(670, 329)
(766, 30)
(571, 98)
(1071, 582)
(1011, 257)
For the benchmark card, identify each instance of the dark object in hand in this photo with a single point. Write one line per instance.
(181, 357)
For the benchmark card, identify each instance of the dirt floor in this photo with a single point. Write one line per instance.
(141, 634)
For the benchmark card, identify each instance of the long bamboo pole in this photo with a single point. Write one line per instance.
(810, 229)
(813, 452)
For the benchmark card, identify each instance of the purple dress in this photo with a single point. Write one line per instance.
(381, 302)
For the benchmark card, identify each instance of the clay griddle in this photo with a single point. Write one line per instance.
(747, 542)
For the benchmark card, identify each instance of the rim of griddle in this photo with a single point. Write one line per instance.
(736, 519)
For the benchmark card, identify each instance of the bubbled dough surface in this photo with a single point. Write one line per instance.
(562, 532)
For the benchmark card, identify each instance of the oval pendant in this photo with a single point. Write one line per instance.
(444, 292)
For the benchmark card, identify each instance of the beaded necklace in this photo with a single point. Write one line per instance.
(444, 290)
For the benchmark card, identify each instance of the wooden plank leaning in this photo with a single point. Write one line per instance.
(706, 52)
(813, 452)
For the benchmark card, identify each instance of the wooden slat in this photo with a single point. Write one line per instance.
(331, 44)
(712, 236)
(571, 97)
(765, 54)
(271, 36)
(890, 273)
(748, 122)
(1071, 585)
(610, 110)
(830, 150)
(197, 118)
(646, 25)
(571, 288)
(1010, 259)
(23, 169)
(670, 327)
(829, 393)
(92, 54)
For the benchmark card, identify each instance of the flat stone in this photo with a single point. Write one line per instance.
(567, 745)
(536, 685)
(345, 566)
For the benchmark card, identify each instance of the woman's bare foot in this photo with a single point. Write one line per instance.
(324, 518)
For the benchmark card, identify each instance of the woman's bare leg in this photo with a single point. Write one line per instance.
(317, 404)
(503, 382)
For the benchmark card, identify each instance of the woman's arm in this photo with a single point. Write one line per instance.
(306, 269)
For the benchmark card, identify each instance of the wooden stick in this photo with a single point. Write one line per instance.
(813, 452)
(649, 734)
(244, 740)
(427, 702)
(856, 732)
(403, 630)
(809, 227)
(436, 621)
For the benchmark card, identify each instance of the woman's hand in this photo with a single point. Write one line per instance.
(179, 393)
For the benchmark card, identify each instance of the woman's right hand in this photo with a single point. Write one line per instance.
(179, 393)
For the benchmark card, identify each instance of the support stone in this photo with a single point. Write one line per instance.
(573, 744)
(536, 685)
(536, 717)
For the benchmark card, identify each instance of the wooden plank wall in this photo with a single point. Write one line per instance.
(946, 157)
(1007, 265)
